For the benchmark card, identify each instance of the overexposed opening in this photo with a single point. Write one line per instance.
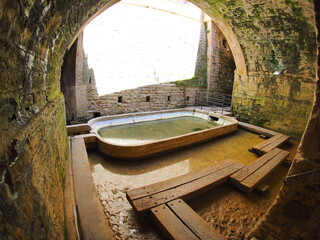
(142, 42)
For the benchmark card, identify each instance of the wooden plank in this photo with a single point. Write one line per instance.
(287, 163)
(248, 184)
(92, 218)
(275, 143)
(194, 222)
(251, 168)
(256, 129)
(177, 181)
(258, 147)
(261, 189)
(170, 224)
(78, 129)
(186, 191)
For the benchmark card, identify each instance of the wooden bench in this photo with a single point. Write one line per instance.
(180, 222)
(249, 177)
(185, 186)
(269, 144)
(256, 129)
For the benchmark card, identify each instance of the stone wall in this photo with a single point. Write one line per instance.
(86, 83)
(32, 191)
(221, 66)
(274, 36)
(160, 96)
(78, 83)
(200, 71)
(81, 83)
(226, 69)
(68, 82)
(296, 212)
(33, 148)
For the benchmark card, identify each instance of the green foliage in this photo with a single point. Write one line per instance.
(192, 82)
(199, 80)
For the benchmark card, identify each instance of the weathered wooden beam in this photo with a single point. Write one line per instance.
(194, 222)
(92, 219)
(78, 129)
(185, 190)
(256, 129)
(249, 177)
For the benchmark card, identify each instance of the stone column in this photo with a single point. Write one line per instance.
(81, 84)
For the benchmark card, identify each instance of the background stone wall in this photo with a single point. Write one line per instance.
(77, 83)
(162, 96)
(226, 69)
(68, 82)
(200, 71)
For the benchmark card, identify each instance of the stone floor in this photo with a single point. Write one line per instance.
(229, 211)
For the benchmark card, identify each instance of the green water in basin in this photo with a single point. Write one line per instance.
(145, 132)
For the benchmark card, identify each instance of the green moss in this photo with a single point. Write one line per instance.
(54, 95)
(230, 3)
(296, 9)
(192, 82)
(62, 176)
(274, 62)
(295, 88)
(307, 38)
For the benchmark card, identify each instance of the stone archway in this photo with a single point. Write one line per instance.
(34, 38)
(260, 53)
(241, 70)
(214, 74)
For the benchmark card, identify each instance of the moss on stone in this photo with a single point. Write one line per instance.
(192, 82)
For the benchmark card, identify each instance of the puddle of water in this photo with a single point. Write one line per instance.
(145, 132)
(113, 178)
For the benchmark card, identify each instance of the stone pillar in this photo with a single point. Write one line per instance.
(220, 62)
(81, 84)
(68, 84)
(201, 64)
(212, 54)
(92, 92)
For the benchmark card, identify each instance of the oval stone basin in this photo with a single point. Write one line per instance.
(142, 135)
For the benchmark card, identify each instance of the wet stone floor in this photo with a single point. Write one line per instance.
(229, 211)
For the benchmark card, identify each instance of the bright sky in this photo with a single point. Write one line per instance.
(130, 46)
